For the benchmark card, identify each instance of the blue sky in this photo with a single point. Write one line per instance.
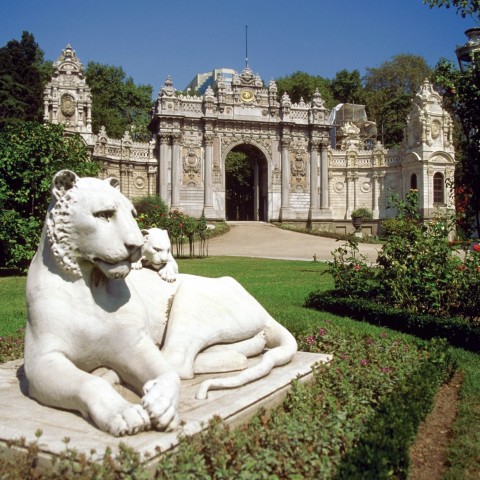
(151, 39)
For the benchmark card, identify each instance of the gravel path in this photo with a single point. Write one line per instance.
(264, 240)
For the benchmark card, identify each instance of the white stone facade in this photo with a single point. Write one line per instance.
(299, 176)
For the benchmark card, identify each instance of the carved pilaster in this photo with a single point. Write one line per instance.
(285, 202)
(207, 181)
(176, 169)
(164, 159)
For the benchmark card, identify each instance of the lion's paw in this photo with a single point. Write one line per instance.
(137, 265)
(161, 400)
(167, 274)
(132, 420)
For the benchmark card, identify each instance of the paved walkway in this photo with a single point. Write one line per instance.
(258, 239)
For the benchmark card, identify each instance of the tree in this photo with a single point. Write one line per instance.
(117, 103)
(466, 8)
(239, 180)
(23, 74)
(30, 155)
(302, 85)
(389, 90)
(461, 91)
(347, 87)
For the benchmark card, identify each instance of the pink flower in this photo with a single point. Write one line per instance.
(357, 267)
(363, 362)
(476, 247)
(384, 370)
(322, 332)
(310, 339)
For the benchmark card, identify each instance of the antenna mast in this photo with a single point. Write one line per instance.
(246, 46)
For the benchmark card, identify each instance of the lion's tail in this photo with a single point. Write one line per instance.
(282, 347)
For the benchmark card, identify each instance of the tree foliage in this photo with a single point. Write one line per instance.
(347, 87)
(466, 8)
(461, 92)
(22, 77)
(30, 155)
(239, 179)
(389, 90)
(118, 103)
(300, 85)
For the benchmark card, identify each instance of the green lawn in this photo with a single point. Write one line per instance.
(281, 286)
(13, 311)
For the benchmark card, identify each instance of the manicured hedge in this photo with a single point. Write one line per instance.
(458, 332)
(357, 418)
(383, 450)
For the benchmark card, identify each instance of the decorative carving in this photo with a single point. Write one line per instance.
(67, 105)
(217, 173)
(276, 175)
(298, 170)
(139, 182)
(191, 169)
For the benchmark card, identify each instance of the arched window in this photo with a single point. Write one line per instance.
(413, 182)
(438, 189)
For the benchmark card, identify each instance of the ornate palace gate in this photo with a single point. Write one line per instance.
(287, 145)
(309, 164)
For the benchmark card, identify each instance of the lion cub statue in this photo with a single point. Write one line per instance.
(156, 254)
(88, 309)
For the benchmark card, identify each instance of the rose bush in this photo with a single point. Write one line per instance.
(417, 269)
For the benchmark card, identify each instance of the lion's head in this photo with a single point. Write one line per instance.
(157, 246)
(90, 222)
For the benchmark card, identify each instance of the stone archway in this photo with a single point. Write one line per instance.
(246, 184)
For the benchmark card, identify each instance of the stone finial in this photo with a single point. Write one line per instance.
(209, 93)
(317, 100)
(168, 90)
(286, 100)
(272, 87)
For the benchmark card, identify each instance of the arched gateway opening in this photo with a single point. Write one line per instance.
(246, 182)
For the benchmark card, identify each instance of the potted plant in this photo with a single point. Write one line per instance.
(359, 215)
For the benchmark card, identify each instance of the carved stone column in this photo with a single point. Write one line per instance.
(376, 178)
(126, 172)
(151, 174)
(351, 193)
(207, 180)
(285, 204)
(176, 170)
(165, 156)
(314, 200)
(324, 197)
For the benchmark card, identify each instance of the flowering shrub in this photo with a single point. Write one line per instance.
(417, 269)
(351, 273)
(153, 212)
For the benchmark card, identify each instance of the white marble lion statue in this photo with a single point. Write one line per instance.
(156, 254)
(88, 309)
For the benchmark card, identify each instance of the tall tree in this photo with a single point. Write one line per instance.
(300, 85)
(22, 78)
(460, 90)
(389, 90)
(30, 155)
(347, 87)
(466, 8)
(118, 103)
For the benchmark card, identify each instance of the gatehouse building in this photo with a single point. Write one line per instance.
(310, 165)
